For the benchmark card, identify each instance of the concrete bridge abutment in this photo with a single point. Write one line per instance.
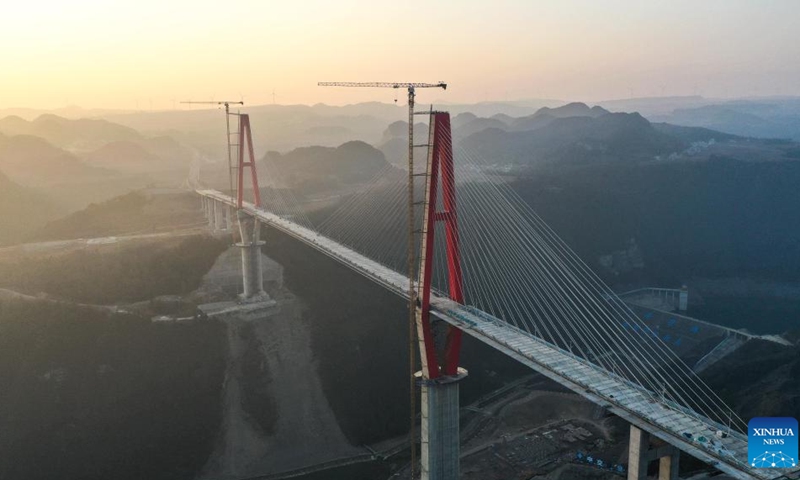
(641, 453)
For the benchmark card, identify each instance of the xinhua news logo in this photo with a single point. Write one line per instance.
(772, 442)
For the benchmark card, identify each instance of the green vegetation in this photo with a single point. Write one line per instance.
(131, 213)
(88, 395)
(580, 140)
(721, 217)
(314, 169)
(127, 273)
(22, 210)
(759, 380)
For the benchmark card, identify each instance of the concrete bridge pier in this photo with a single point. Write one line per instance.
(210, 212)
(683, 299)
(439, 436)
(227, 214)
(252, 273)
(641, 453)
(219, 217)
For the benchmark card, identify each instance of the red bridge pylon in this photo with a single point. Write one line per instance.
(246, 139)
(440, 169)
(440, 372)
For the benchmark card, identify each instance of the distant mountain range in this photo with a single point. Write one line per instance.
(71, 111)
(314, 169)
(150, 156)
(777, 119)
(23, 209)
(79, 134)
(576, 133)
(394, 142)
(275, 127)
(328, 147)
(32, 161)
(573, 139)
(87, 160)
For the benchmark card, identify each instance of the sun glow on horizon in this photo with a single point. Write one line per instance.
(152, 53)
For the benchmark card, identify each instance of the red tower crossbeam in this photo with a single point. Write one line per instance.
(246, 138)
(440, 167)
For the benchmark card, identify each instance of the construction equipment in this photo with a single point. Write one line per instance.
(412, 297)
(227, 104)
(410, 86)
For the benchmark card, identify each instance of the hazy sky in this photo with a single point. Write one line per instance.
(120, 54)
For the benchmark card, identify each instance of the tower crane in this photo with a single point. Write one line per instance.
(411, 87)
(227, 104)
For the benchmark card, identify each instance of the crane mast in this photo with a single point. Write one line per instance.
(227, 104)
(412, 294)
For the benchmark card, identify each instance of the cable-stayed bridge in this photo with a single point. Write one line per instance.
(504, 277)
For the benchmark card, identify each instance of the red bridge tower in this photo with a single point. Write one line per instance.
(440, 372)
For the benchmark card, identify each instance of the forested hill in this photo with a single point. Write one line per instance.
(312, 169)
(576, 134)
(67, 133)
(716, 218)
(576, 140)
(22, 210)
(92, 395)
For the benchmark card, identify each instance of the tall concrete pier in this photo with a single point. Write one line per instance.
(440, 431)
(683, 299)
(210, 212)
(219, 217)
(228, 220)
(641, 453)
(252, 274)
(253, 303)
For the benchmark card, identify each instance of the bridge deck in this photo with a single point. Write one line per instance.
(644, 409)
